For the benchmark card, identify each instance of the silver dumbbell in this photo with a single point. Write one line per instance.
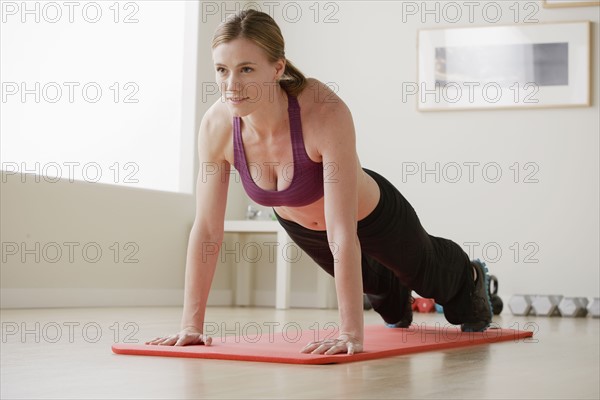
(520, 304)
(594, 307)
(546, 305)
(573, 307)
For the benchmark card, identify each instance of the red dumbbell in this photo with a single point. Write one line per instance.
(425, 305)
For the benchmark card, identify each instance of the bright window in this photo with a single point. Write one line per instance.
(99, 91)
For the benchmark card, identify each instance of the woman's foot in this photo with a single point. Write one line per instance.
(481, 303)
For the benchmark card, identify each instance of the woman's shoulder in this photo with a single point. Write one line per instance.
(320, 101)
(217, 120)
(320, 97)
(215, 128)
(325, 117)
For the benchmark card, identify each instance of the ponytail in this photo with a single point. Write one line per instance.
(293, 80)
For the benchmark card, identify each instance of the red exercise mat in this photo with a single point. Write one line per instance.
(284, 347)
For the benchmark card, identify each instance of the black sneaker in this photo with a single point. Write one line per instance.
(407, 318)
(481, 303)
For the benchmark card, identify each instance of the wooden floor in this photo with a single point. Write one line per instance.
(65, 353)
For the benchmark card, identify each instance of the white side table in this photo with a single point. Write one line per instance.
(282, 285)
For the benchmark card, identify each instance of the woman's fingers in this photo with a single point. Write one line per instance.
(185, 340)
(169, 341)
(330, 347)
(156, 340)
(181, 339)
(151, 341)
(193, 338)
(320, 347)
(340, 347)
(309, 348)
(351, 348)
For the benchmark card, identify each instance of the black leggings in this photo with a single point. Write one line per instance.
(398, 256)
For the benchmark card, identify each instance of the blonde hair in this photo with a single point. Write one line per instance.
(260, 28)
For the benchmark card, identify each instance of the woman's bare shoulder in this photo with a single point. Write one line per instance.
(323, 114)
(217, 122)
(218, 118)
(320, 98)
(215, 128)
(320, 102)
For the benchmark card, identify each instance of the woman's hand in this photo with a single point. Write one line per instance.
(343, 344)
(187, 336)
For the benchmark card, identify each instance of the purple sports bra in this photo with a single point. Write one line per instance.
(307, 180)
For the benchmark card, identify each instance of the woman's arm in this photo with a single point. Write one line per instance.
(340, 169)
(206, 235)
(204, 244)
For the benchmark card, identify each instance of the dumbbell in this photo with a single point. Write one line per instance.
(573, 307)
(546, 305)
(425, 305)
(496, 301)
(520, 304)
(594, 308)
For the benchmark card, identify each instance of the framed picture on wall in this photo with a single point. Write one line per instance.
(570, 3)
(510, 66)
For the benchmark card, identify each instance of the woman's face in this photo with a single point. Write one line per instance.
(245, 76)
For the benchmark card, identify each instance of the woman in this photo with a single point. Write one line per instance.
(352, 221)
